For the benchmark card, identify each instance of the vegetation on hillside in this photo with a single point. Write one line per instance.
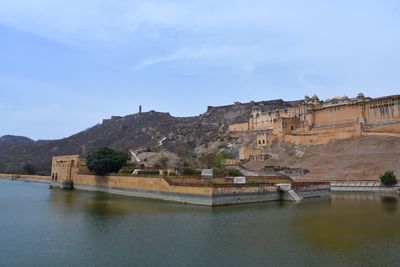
(29, 169)
(106, 160)
(162, 162)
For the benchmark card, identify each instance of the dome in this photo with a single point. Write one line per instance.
(360, 95)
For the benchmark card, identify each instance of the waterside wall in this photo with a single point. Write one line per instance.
(363, 186)
(201, 194)
(23, 177)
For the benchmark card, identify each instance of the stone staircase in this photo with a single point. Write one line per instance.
(294, 195)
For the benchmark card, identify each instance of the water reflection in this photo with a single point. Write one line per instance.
(102, 204)
(98, 229)
(105, 204)
(389, 203)
(349, 222)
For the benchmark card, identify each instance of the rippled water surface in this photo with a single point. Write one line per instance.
(42, 227)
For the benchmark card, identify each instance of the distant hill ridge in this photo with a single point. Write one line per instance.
(130, 132)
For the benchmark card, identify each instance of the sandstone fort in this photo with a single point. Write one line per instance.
(312, 121)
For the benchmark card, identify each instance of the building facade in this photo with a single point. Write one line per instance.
(317, 122)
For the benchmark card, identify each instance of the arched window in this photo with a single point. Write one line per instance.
(52, 176)
(56, 177)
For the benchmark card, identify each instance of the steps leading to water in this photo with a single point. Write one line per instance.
(294, 195)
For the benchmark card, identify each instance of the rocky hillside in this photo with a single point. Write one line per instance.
(138, 131)
(360, 158)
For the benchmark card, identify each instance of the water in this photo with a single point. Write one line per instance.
(42, 227)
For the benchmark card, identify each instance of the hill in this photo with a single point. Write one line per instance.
(360, 158)
(137, 131)
(152, 133)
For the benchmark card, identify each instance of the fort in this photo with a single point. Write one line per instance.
(313, 122)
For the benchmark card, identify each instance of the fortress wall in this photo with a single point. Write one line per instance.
(324, 135)
(382, 110)
(240, 127)
(337, 115)
(262, 122)
(389, 128)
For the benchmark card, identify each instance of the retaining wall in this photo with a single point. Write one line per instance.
(33, 178)
(362, 186)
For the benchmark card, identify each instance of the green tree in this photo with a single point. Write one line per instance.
(219, 160)
(29, 169)
(213, 160)
(163, 162)
(106, 160)
(388, 178)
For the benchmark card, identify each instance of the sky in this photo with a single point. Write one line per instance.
(66, 65)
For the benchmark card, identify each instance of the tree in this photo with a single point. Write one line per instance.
(163, 162)
(29, 169)
(213, 160)
(388, 178)
(106, 160)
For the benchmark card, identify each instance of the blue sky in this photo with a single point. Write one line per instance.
(66, 65)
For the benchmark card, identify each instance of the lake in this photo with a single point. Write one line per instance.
(42, 227)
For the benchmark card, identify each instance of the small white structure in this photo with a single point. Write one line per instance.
(207, 173)
(136, 172)
(239, 180)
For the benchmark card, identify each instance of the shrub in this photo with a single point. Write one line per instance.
(29, 169)
(149, 172)
(388, 178)
(128, 169)
(163, 162)
(190, 171)
(106, 160)
(233, 172)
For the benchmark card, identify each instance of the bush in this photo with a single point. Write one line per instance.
(233, 172)
(190, 171)
(29, 169)
(163, 162)
(106, 160)
(149, 172)
(388, 178)
(127, 169)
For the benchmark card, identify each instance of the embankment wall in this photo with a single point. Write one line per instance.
(37, 178)
(147, 187)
